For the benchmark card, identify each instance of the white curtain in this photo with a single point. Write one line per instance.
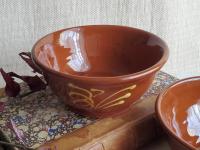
(23, 22)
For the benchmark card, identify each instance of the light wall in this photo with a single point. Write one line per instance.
(22, 22)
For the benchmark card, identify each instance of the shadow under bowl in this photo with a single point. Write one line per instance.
(100, 70)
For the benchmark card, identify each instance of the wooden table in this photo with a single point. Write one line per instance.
(160, 144)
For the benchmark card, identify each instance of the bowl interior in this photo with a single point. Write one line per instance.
(180, 110)
(101, 50)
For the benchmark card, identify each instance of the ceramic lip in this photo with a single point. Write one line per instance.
(126, 77)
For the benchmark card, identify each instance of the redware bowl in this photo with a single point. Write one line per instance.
(99, 70)
(178, 110)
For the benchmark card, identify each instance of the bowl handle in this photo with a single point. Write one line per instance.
(26, 56)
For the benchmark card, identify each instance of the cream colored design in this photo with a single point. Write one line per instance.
(3, 99)
(42, 135)
(85, 97)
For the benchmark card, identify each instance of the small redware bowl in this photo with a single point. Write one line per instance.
(99, 70)
(178, 110)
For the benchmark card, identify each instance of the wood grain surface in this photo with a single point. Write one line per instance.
(130, 130)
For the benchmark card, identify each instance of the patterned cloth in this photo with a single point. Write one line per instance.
(33, 119)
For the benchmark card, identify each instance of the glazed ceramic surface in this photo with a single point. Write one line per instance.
(178, 109)
(100, 70)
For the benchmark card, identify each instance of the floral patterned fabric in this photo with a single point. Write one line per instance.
(35, 118)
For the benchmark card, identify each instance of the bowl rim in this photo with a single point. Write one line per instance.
(160, 116)
(125, 77)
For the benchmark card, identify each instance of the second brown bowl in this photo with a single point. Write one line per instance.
(100, 70)
(178, 110)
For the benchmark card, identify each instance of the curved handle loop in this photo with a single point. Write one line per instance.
(26, 56)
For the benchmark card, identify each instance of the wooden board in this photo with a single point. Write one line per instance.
(127, 131)
(159, 144)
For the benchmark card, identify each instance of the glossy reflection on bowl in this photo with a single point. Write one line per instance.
(178, 108)
(99, 51)
(100, 70)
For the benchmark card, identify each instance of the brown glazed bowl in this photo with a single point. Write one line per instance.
(178, 110)
(99, 70)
